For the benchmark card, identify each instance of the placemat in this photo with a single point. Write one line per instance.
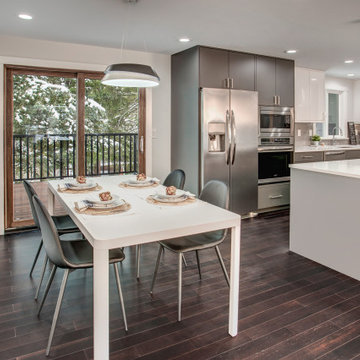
(125, 185)
(110, 211)
(82, 191)
(151, 200)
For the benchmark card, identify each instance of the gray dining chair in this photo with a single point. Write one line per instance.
(216, 193)
(63, 224)
(175, 178)
(70, 256)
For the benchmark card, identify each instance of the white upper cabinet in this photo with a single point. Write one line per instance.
(309, 95)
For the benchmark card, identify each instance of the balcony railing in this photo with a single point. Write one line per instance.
(51, 156)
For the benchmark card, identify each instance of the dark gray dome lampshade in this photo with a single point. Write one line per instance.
(130, 75)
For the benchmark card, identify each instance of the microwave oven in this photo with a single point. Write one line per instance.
(276, 121)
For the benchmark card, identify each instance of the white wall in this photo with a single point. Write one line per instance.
(346, 86)
(22, 51)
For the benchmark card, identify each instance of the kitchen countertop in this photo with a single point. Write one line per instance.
(346, 168)
(326, 148)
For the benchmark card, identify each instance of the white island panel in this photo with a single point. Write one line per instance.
(325, 214)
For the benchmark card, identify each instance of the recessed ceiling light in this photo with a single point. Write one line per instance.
(348, 61)
(184, 39)
(350, 75)
(25, 16)
(291, 51)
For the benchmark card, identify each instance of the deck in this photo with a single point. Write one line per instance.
(22, 209)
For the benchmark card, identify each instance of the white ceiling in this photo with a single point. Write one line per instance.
(325, 32)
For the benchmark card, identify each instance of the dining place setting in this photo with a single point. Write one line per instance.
(97, 200)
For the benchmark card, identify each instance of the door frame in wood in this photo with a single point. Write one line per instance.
(9, 71)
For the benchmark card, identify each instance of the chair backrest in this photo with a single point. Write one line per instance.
(49, 234)
(30, 191)
(216, 193)
(175, 178)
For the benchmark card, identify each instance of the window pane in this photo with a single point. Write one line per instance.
(333, 111)
(44, 125)
(111, 128)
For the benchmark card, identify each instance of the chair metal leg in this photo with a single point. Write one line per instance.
(184, 260)
(36, 257)
(41, 277)
(51, 278)
(198, 263)
(138, 254)
(156, 268)
(179, 285)
(120, 295)
(57, 310)
(222, 265)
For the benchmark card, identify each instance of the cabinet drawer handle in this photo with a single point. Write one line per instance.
(307, 156)
(275, 196)
(335, 153)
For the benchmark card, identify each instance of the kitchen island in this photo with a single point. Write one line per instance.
(325, 214)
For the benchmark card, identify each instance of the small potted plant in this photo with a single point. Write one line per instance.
(315, 140)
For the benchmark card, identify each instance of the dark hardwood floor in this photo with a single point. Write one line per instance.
(290, 307)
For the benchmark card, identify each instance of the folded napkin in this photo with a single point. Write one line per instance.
(154, 179)
(189, 194)
(63, 186)
(82, 205)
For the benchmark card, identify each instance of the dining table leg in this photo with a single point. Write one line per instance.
(51, 202)
(101, 304)
(234, 280)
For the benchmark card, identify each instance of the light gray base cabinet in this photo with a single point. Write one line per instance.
(311, 156)
(273, 195)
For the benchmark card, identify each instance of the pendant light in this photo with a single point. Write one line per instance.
(128, 74)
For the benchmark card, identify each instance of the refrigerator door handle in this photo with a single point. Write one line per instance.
(228, 137)
(233, 140)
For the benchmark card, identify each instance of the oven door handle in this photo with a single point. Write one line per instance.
(233, 135)
(228, 138)
(275, 148)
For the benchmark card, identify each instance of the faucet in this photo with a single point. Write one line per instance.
(333, 133)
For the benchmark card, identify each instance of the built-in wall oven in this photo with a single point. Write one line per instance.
(276, 121)
(274, 156)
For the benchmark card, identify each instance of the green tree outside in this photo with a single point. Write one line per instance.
(45, 107)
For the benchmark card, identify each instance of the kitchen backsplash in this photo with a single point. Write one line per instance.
(306, 131)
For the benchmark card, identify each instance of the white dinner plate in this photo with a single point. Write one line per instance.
(101, 202)
(74, 185)
(179, 194)
(170, 198)
(138, 183)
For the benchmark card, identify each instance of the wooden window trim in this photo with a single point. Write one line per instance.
(80, 75)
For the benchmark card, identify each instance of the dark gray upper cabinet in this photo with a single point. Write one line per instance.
(214, 67)
(275, 81)
(265, 80)
(284, 82)
(223, 68)
(242, 70)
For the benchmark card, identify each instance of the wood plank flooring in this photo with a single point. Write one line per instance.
(290, 307)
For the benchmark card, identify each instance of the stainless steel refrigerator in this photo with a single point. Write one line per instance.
(229, 140)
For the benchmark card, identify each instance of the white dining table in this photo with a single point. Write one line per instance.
(142, 223)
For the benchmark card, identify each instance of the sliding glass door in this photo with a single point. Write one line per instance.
(61, 123)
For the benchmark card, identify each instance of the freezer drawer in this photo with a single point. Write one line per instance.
(303, 157)
(273, 195)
